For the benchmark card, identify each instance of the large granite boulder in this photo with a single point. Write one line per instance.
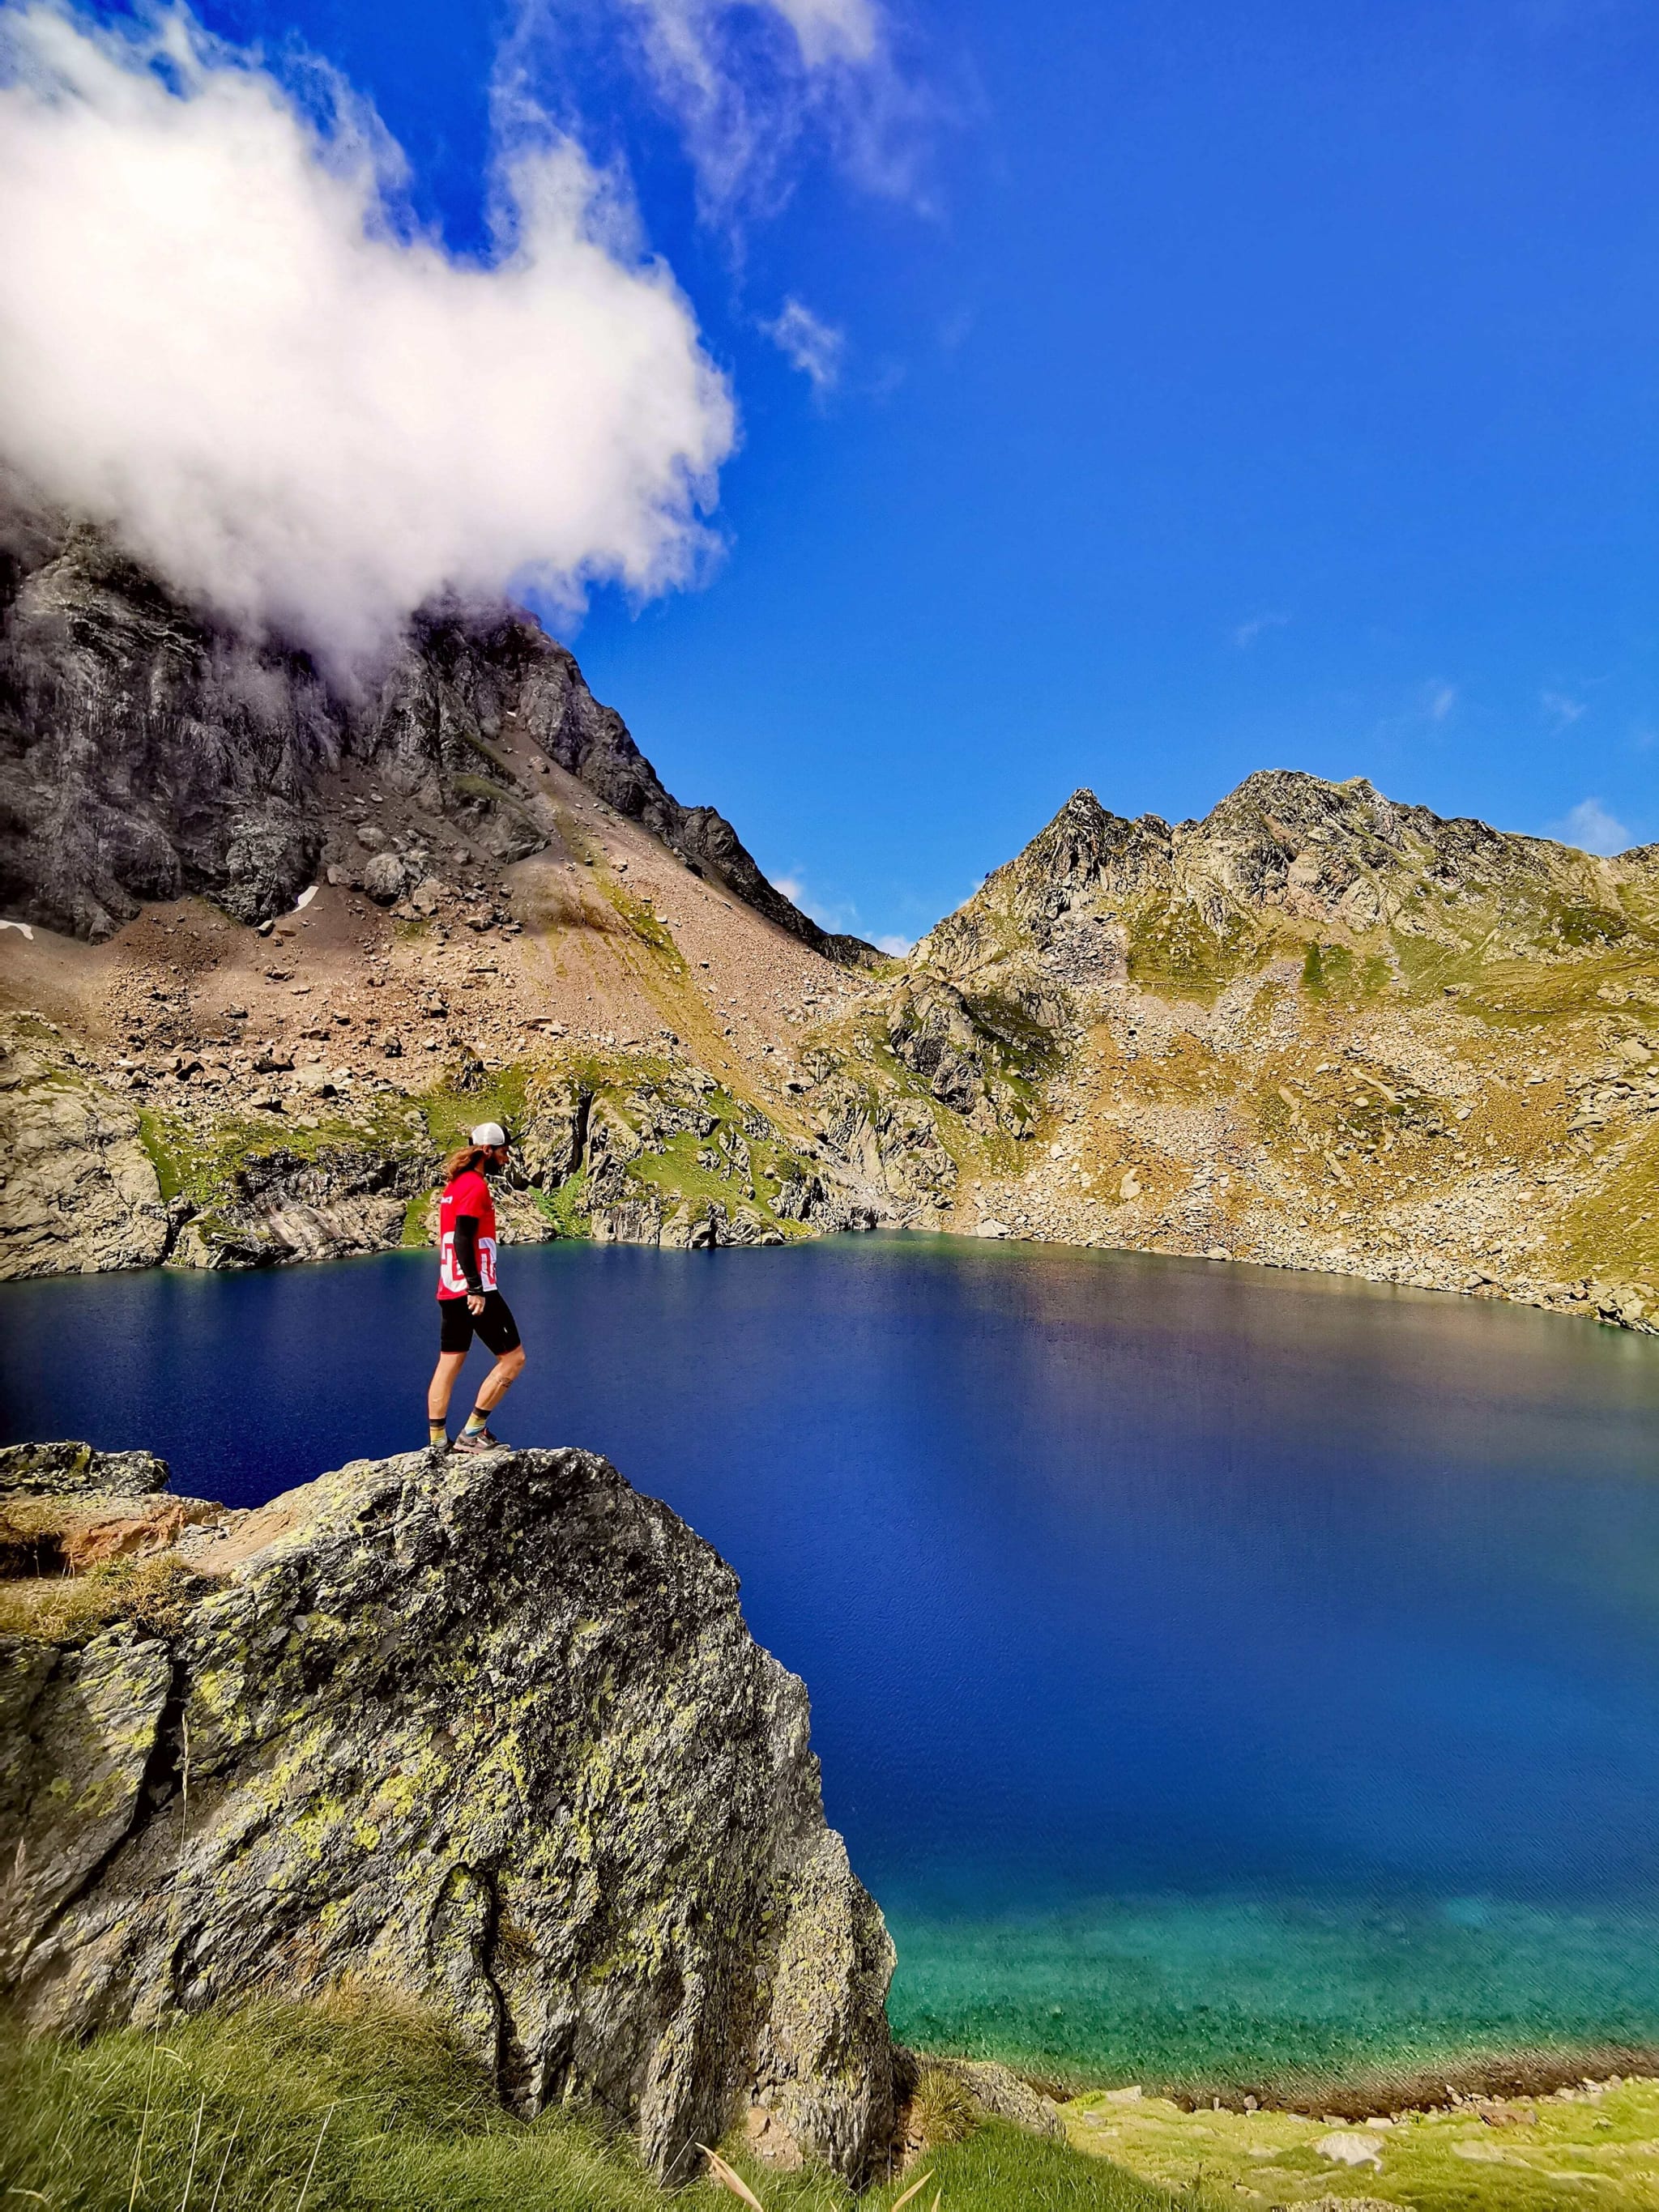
(488, 1732)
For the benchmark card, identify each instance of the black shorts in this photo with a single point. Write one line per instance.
(494, 1327)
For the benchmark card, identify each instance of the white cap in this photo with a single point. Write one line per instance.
(490, 1132)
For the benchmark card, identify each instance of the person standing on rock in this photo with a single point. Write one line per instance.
(468, 1301)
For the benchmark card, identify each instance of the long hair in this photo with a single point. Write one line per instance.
(468, 1157)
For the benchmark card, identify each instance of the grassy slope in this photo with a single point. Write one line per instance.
(1514, 983)
(1528, 2155)
(355, 2104)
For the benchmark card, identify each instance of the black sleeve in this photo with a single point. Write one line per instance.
(466, 1253)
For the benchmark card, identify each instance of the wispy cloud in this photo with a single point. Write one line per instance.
(841, 915)
(815, 348)
(1438, 699)
(1563, 711)
(1246, 633)
(1592, 829)
(750, 85)
(829, 914)
(222, 332)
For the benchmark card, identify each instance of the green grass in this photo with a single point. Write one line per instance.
(451, 1115)
(1528, 2155)
(566, 1206)
(202, 1168)
(1614, 1233)
(674, 1172)
(376, 2107)
(1337, 972)
(999, 2165)
(165, 1156)
(355, 2103)
(1173, 951)
(646, 924)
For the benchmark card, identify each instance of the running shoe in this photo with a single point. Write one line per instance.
(482, 1441)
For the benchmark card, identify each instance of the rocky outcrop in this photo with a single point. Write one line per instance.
(278, 1206)
(1202, 899)
(615, 1158)
(147, 751)
(1000, 2093)
(487, 1732)
(960, 1050)
(78, 1191)
(69, 1470)
(657, 1155)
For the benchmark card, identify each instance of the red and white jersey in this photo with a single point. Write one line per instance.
(468, 1194)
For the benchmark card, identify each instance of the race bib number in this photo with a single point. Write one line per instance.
(449, 1270)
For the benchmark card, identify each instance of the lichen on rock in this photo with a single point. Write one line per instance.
(78, 1192)
(67, 1468)
(491, 1735)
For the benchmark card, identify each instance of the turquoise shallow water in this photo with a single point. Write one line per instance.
(1218, 1674)
(1281, 1997)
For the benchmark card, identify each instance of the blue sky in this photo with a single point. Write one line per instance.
(1205, 388)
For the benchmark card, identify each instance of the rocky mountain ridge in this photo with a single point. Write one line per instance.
(1318, 1028)
(147, 751)
(1314, 1029)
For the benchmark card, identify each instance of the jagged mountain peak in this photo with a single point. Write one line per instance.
(1288, 851)
(147, 749)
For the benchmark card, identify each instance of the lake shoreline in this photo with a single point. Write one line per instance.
(1463, 2081)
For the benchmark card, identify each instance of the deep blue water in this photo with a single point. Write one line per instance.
(1187, 1643)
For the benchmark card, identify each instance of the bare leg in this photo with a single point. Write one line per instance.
(499, 1381)
(449, 1365)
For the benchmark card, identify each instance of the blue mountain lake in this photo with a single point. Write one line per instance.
(1222, 1677)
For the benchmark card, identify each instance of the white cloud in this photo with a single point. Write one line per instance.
(1438, 700)
(1592, 829)
(833, 914)
(1561, 710)
(1247, 633)
(896, 945)
(836, 916)
(220, 330)
(814, 346)
(748, 83)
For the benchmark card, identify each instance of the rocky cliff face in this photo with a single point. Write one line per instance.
(146, 751)
(79, 1194)
(488, 1732)
(648, 1150)
(1316, 1029)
